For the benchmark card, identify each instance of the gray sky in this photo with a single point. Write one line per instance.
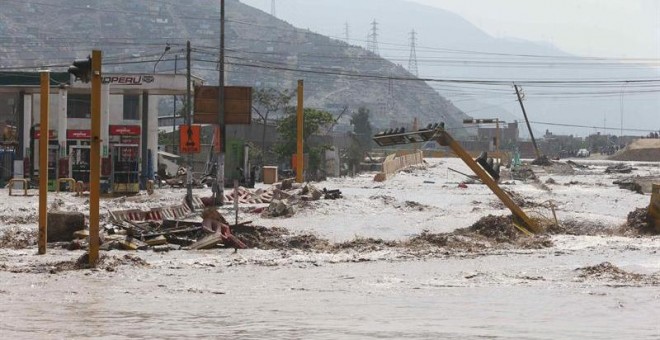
(599, 28)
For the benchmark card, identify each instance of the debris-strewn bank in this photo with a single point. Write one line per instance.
(490, 232)
(108, 263)
(619, 277)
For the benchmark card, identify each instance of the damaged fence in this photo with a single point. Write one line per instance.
(395, 162)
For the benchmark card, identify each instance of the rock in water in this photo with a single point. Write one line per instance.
(63, 224)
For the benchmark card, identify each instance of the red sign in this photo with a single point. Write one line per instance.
(189, 137)
(78, 134)
(52, 134)
(125, 130)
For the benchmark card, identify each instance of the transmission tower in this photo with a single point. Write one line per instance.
(272, 8)
(372, 38)
(347, 33)
(412, 61)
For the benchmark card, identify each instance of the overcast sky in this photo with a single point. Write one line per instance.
(608, 28)
(596, 28)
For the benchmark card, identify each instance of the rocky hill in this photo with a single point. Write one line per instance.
(451, 47)
(262, 51)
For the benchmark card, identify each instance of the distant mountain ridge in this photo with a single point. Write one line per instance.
(262, 51)
(450, 47)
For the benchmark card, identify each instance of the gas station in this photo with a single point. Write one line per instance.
(129, 126)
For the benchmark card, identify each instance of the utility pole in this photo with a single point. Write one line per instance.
(623, 89)
(300, 119)
(189, 123)
(273, 12)
(174, 134)
(220, 176)
(86, 70)
(347, 33)
(43, 161)
(529, 127)
(95, 160)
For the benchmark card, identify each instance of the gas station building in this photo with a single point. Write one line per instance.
(129, 126)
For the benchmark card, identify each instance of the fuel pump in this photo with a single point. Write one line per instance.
(125, 169)
(79, 163)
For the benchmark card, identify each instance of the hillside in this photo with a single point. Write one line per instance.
(451, 47)
(262, 51)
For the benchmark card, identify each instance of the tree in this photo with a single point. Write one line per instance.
(362, 128)
(266, 101)
(362, 134)
(287, 128)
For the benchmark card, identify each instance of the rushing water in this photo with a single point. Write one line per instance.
(523, 295)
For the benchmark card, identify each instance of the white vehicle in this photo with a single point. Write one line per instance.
(583, 153)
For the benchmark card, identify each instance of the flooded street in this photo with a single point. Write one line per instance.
(330, 169)
(213, 294)
(388, 261)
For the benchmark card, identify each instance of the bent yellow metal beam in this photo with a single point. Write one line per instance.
(524, 222)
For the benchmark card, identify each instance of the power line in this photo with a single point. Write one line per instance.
(594, 127)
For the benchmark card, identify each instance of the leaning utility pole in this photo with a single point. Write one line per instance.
(219, 191)
(529, 127)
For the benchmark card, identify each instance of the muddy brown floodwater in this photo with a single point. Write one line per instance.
(484, 281)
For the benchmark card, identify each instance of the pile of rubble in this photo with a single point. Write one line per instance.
(287, 195)
(606, 271)
(639, 223)
(172, 228)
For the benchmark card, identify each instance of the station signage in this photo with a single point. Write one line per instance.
(124, 130)
(146, 82)
(78, 134)
(135, 80)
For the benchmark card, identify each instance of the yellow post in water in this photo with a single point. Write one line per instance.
(300, 158)
(43, 161)
(95, 160)
(654, 207)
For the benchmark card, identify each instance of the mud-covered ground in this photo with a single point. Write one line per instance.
(414, 257)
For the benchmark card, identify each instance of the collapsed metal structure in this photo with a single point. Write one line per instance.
(482, 167)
